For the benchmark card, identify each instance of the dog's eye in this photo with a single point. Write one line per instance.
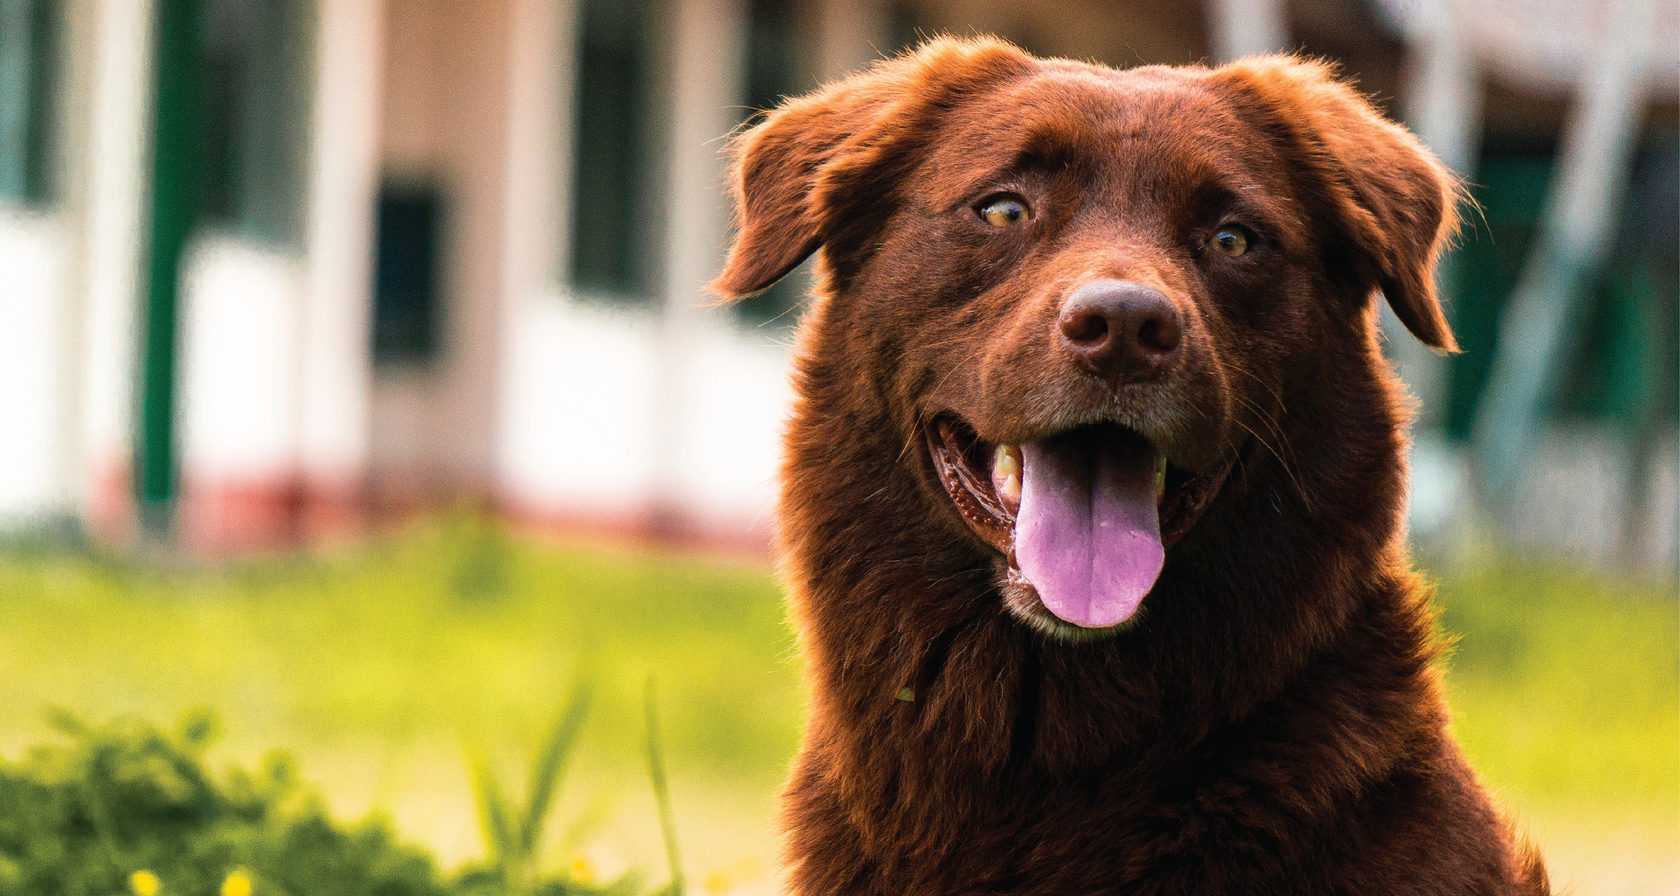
(1002, 211)
(1231, 240)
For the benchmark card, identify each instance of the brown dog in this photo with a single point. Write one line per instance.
(1093, 493)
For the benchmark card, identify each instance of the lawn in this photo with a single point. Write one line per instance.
(383, 667)
(1565, 692)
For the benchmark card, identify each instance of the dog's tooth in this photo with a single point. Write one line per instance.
(1160, 476)
(1006, 475)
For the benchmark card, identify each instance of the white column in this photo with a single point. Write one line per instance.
(335, 363)
(537, 104)
(531, 213)
(1238, 28)
(69, 478)
(121, 102)
(707, 46)
(848, 35)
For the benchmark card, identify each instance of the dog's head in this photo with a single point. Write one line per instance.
(1086, 296)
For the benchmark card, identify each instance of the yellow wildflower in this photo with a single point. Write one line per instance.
(237, 884)
(144, 883)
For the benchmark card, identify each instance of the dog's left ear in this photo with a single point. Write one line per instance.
(776, 167)
(1392, 206)
(815, 170)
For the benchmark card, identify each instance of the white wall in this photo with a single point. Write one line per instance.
(68, 298)
(446, 76)
(577, 424)
(33, 372)
(613, 411)
(237, 404)
(733, 407)
(580, 436)
(335, 355)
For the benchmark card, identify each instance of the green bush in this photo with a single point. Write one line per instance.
(126, 808)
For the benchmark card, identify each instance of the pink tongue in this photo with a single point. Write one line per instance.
(1087, 536)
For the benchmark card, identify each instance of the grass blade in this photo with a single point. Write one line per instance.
(545, 774)
(493, 818)
(662, 793)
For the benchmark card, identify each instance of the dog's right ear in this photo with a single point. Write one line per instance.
(1391, 204)
(812, 166)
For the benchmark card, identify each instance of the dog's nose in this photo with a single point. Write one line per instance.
(1121, 330)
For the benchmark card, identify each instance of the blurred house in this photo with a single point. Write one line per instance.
(271, 269)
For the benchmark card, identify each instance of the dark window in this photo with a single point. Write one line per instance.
(907, 26)
(614, 178)
(776, 64)
(253, 56)
(407, 245)
(29, 59)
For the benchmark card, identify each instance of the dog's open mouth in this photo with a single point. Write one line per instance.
(1084, 518)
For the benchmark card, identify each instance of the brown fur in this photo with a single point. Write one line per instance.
(1272, 721)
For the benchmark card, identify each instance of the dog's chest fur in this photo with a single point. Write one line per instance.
(955, 751)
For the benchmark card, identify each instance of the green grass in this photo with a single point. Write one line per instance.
(463, 628)
(1567, 686)
(1565, 692)
(384, 667)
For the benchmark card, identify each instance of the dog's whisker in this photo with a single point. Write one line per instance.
(1267, 420)
(1288, 469)
(910, 438)
(1272, 425)
(1229, 364)
(1266, 416)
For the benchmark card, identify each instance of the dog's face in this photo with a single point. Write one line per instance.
(1086, 296)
